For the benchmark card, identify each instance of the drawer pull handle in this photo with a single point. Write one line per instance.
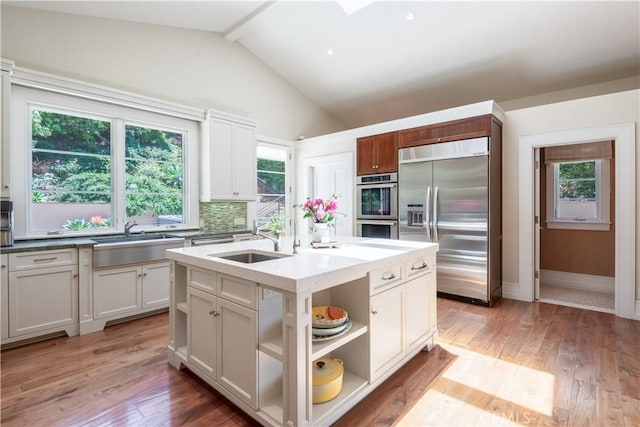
(391, 276)
(45, 259)
(422, 267)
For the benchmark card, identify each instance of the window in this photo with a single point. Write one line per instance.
(93, 166)
(577, 190)
(272, 201)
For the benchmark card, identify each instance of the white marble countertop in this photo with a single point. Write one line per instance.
(310, 269)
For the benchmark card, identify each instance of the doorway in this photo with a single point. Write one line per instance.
(575, 204)
(624, 138)
(328, 175)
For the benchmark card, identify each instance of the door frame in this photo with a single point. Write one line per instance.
(624, 137)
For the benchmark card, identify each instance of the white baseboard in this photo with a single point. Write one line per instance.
(585, 282)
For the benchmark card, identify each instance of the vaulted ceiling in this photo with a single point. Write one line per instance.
(369, 61)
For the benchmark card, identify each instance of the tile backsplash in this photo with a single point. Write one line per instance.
(220, 217)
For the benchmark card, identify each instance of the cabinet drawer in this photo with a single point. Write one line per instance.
(240, 291)
(425, 264)
(385, 278)
(204, 280)
(53, 258)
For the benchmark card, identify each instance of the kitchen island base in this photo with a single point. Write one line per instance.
(247, 332)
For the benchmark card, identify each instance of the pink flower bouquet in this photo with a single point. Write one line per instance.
(320, 211)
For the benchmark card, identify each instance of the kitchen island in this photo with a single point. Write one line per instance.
(241, 319)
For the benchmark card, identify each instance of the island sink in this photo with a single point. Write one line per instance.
(251, 256)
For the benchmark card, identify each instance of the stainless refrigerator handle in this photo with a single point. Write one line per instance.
(435, 215)
(427, 218)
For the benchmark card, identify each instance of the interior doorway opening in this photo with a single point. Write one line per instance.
(575, 237)
(624, 137)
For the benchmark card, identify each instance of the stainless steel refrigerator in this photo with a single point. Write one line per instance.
(444, 197)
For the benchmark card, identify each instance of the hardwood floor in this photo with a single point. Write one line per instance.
(514, 364)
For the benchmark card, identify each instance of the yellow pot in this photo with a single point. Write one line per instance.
(327, 379)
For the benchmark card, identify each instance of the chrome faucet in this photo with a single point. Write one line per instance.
(275, 240)
(296, 241)
(128, 226)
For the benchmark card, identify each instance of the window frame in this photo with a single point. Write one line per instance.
(287, 146)
(603, 187)
(24, 98)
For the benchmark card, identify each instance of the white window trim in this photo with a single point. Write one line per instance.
(31, 78)
(20, 155)
(603, 190)
(288, 182)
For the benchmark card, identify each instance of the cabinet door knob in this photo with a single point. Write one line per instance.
(139, 275)
(374, 312)
(211, 312)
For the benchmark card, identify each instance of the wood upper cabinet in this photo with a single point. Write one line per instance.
(453, 130)
(378, 153)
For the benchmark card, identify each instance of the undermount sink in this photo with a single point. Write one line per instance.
(251, 256)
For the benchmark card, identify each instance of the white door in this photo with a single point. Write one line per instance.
(328, 175)
(116, 291)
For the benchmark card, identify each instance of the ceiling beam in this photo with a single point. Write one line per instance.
(241, 27)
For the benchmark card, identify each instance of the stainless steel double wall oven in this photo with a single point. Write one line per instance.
(377, 206)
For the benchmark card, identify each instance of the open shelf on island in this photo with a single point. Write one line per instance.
(319, 349)
(273, 347)
(351, 384)
(182, 306)
(273, 410)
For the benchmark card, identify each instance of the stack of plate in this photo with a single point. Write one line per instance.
(329, 322)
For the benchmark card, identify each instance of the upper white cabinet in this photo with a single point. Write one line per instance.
(6, 68)
(229, 158)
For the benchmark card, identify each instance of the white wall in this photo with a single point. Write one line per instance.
(194, 68)
(614, 108)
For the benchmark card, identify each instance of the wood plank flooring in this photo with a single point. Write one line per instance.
(514, 364)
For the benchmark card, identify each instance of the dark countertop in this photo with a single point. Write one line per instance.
(47, 244)
(76, 242)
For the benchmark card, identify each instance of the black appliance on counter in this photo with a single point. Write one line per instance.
(6, 223)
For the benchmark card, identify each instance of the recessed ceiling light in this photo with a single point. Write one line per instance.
(410, 16)
(329, 51)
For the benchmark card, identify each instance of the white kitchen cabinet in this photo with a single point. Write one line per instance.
(201, 331)
(222, 335)
(6, 70)
(116, 291)
(229, 158)
(129, 290)
(387, 329)
(155, 285)
(403, 317)
(4, 296)
(42, 293)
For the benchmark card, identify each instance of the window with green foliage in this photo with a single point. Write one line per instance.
(578, 193)
(271, 206)
(153, 177)
(94, 166)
